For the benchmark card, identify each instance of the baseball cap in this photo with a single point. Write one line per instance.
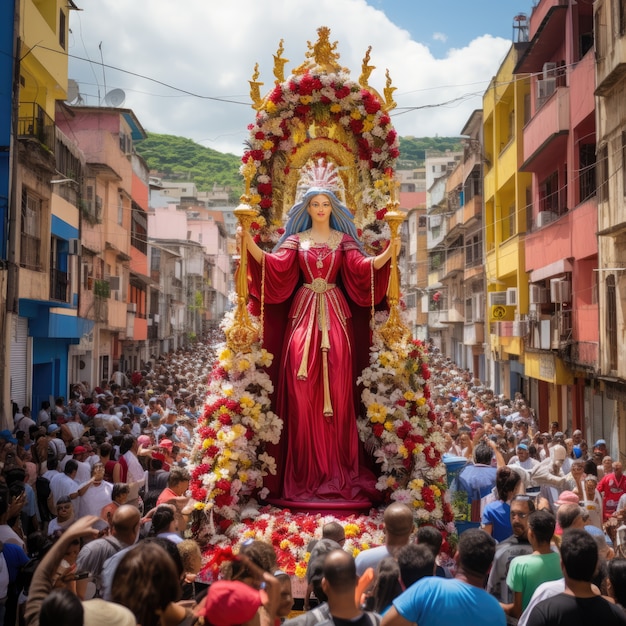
(523, 446)
(80, 450)
(52, 428)
(143, 440)
(166, 443)
(8, 436)
(577, 452)
(600, 442)
(231, 602)
(98, 612)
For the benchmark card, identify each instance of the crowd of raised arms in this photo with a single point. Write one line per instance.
(94, 520)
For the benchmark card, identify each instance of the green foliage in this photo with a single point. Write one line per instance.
(413, 149)
(179, 158)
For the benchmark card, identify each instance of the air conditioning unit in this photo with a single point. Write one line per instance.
(478, 307)
(156, 318)
(131, 307)
(545, 88)
(560, 290)
(537, 294)
(511, 296)
(521, 328)
(114, 283)
(73, 247)
(545, 217)
(550, 69)
(496, 297)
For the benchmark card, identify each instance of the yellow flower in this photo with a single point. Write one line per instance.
(284, 544)
(225, 354)
(355, 552)
(268, 145)
(416, 483)
(255, 199)
(207, 443)
(307, 556)
(403, 451)
(417, 504)
(199, 506)
(367, 126)
(243, 365)
(306, 99)
(379, 184)
(365, 546)
(351, 530)
(243, 477)
(335, 108)
(227, 390)
(270, 106)
(436, 491)
(409, 395)
(300, 571)
(355, 115)
(421, 401)
(246, 401)
(388, 426)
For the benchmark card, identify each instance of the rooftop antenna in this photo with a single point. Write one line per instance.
(104, 78)
(520, 28)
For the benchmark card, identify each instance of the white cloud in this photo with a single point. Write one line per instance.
(210, 49)
(440, 37)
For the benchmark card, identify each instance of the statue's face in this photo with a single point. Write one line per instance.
(320, 208)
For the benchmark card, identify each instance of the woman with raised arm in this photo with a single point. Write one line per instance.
(320, 267)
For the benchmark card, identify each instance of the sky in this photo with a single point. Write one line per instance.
(184, 67)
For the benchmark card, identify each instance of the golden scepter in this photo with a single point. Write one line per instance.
(394, 331)
(243, 332)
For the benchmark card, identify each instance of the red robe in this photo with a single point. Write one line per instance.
(320, 457)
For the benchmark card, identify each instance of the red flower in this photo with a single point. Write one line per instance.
(380, 214)
(265, 203)
(260, 135)
(342, 92)
(265, 189)
(391, 136)
(276, 96)
(378, 430)
(356, 126)
(223, 485)
(404, 429)
(257, 155)
(303, 109)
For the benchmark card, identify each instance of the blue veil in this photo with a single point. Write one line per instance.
(299, 220)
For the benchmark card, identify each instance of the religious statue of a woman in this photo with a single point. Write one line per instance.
(321, 272)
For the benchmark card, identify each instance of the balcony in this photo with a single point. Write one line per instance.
(473, 334)
(546, 133)
(455, 262)
(34, 123)
(473, 209)
(455, 314)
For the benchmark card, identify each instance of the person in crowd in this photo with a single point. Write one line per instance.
(66, 515)
(515, 545)
(459, 600)
(119, 497)
(578, 605)
(92, 556)
(496, 517)
(165, 523)
(616, 581)
(415, 561)
(612, 487)
(386, 585)
(98, 493)
(591, 500)
(398, 527)
(527, 572)
(286, 594)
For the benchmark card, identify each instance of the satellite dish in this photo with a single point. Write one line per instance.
(72, 91)
(115, 98)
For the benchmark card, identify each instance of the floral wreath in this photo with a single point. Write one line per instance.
(399, 427)
(326, 99)
(228, 465)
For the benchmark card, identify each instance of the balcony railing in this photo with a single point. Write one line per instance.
(36, 123)
(30, 247)
(59, 285)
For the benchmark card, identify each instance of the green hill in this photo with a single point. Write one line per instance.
(178, 158)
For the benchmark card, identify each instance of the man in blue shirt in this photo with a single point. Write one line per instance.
(434, 601)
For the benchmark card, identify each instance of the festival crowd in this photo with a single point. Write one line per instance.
(94, 509)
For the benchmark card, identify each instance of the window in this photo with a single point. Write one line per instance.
(624, 162)
(550, 194)
(587, 179)
(139, 229)
(611, 321)
(421, 221)
(30, 240)
(62, 28)
(120, 208)
(602, 170)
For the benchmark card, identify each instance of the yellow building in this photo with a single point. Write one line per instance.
(507, 193)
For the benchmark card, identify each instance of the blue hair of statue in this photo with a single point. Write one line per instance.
(299, 220)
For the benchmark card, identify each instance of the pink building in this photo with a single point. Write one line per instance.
(561, 248)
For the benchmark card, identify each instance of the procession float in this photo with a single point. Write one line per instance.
(317, 124)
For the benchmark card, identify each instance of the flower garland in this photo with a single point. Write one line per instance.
(400, 428)
(326, 100)
(228, 462)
